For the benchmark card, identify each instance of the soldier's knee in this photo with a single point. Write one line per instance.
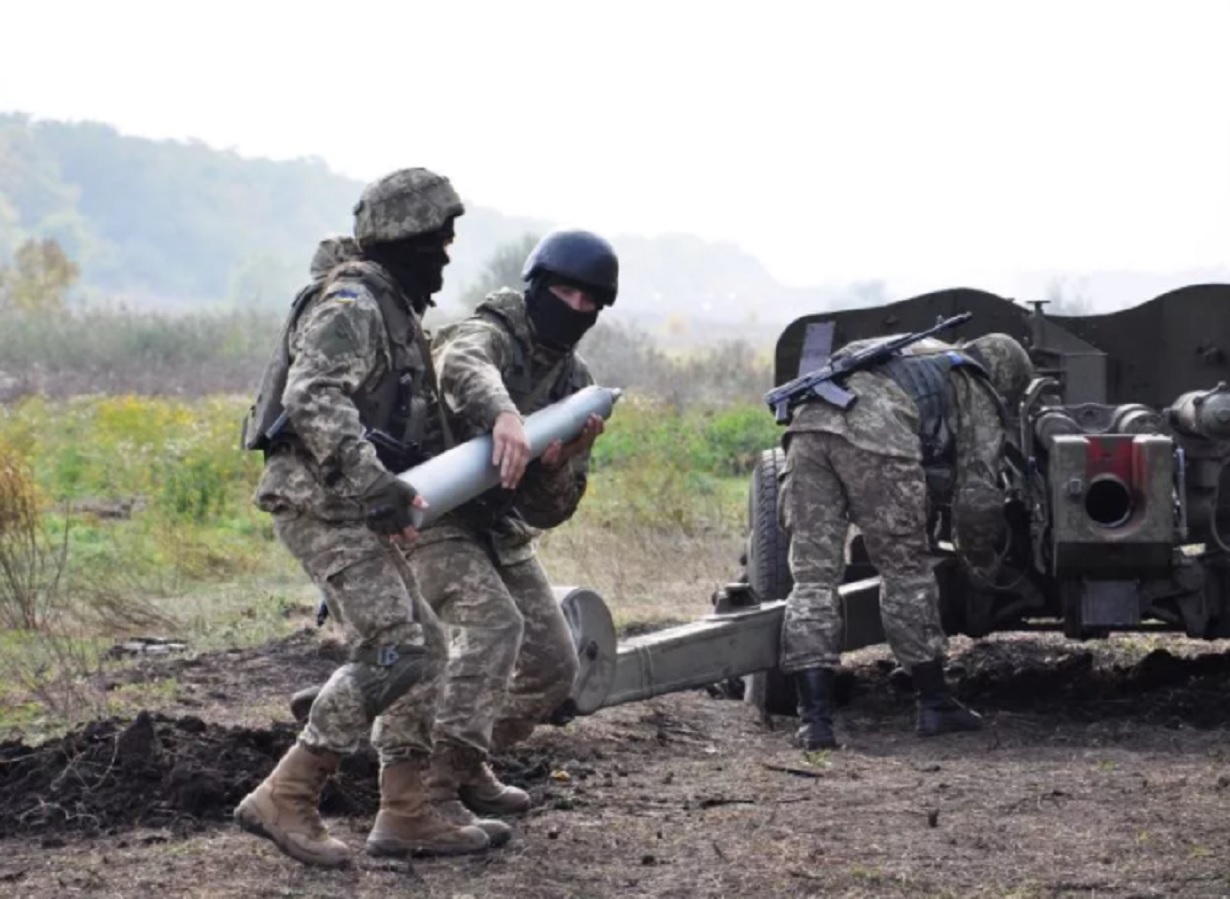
(397, 671)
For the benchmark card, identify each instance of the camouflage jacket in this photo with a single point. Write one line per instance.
(885, 421)
(340, 350)
(488, 364)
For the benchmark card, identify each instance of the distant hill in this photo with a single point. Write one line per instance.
(178, 225)
(174, 224)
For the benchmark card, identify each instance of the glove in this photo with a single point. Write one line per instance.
(387, 504)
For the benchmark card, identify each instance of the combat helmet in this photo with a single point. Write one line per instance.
(405, 204)
(580, 257)
(1005, 361)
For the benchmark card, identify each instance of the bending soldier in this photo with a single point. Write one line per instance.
(927, 425)
(344, 404)
(512, 661)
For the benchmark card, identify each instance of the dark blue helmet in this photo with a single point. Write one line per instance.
(581, 257)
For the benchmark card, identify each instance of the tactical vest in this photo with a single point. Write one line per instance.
(925, 379)
(530, 391)
(396, 406)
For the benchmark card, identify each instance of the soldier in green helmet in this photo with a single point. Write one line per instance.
(346, 403)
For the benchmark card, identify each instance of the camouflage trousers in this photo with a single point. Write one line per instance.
(827, 485)
(511, 657)
(373, 597)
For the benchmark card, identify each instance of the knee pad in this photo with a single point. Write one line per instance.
(386, 672)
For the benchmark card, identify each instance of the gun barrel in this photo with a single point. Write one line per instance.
(1202, 413)
(460, 474)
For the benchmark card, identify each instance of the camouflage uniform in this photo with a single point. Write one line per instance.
(865, 467)
(512, 660)
(312, 487)
(353, 360)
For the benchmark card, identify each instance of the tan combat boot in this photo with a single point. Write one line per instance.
(409, 824)
(284, 808)
(443, 784)
(481, 790)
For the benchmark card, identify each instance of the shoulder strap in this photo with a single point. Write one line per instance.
(430, 364)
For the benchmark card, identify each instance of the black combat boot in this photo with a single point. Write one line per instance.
(938, 711)
(815, 690)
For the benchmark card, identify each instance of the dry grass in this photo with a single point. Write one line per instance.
(647, 578)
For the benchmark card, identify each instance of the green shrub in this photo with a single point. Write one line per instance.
(722, 443)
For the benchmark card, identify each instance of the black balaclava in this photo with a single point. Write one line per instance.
(556, 324)
(416, 263)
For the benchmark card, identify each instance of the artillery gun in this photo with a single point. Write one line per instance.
(1119, 495)
(1118, 503)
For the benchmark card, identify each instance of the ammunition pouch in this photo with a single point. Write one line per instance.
(924, 379)
(393, 454)
(484, 511)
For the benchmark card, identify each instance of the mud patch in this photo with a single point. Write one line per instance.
(153, 772)
(1075, 682)
(177, 773)
(1087, 778)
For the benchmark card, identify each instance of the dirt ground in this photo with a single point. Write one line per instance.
(1103, 772)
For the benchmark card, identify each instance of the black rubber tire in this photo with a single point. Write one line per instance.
(768, 571)
(768, 563)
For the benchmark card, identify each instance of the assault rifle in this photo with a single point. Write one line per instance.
(825, 382)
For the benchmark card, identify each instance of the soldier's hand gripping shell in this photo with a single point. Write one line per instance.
(510, 449)
(387, 502)
(558, 453)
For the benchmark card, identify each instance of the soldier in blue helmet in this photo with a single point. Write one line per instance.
(512, 660)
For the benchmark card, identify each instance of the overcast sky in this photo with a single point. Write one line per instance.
(950, 141)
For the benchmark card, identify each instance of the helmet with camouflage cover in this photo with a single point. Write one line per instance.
(405, 204)
(332, 252)
(1006, 362)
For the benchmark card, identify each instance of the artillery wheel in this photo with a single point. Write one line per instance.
(593, 635)
(768, 571)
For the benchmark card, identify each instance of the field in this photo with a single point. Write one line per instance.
(1103, 773)
(148, 650)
